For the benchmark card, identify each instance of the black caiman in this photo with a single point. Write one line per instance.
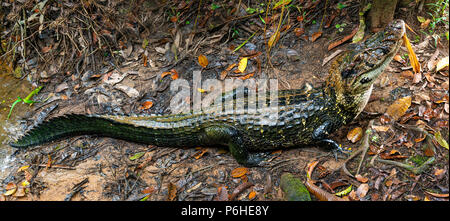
(304, 116)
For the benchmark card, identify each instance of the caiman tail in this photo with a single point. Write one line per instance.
(73, 125)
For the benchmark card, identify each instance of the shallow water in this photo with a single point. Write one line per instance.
(10, 88)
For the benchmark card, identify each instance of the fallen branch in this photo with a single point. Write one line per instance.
(416, 170)
(77, 188)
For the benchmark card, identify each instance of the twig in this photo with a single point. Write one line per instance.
(77, 188)
(415, 170)
(365, 144)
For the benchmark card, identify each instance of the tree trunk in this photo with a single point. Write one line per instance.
(381, 13)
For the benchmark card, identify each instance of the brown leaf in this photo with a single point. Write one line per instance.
(407, 74)
(417, 78)
(146, 105)
(321, 194)
(299, 31)
(200, 153)
(46, 49)
(344, 39)
(399, 59)
(247, 76)
(203, 61)
(222, 194)
(355, 134)
(362, 190)
(315, 36)
(439, 195)
(380, 128)
(145, 60)
(393, 154)
(172, 189)
(398, 108)
(174, 74)
(238, 172)
(165, 74)
(361, 178)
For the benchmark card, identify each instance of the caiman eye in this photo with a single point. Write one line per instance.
(348, 73)
(365, 80)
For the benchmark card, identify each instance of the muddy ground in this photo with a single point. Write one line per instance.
(98, 168)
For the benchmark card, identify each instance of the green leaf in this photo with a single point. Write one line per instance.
(250, 10)
(440, 140)
(344, 192)
(421, 19)
(281, 3)
(34, 92)
(12, 106)
(341, 6)
(137, 155)
(144, 43)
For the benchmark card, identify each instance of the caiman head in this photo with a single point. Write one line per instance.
(352, 74)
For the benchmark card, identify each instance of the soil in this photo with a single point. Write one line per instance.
(57, 167)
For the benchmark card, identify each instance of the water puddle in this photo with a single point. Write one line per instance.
(10, 88)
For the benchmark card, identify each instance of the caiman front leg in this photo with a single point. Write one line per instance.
(229, 136)
(320, 135)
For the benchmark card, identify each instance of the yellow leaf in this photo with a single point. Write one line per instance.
(10, 192)
(442, 64)
(273, 39)
(355, 134)
(412, 56)
(398, 108)
(203, 61)
(440, 140)
(22, 168)
(242, 64)
(281, 3)
(25, 183)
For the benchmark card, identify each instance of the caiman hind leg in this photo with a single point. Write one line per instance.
(229, 136)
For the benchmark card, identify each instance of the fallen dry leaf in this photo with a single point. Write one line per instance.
(172, 189)
(399, 59)
(315, 36)
(412, 56)
(299, 31)
(203, 61)
(146, 105)
(238, 172)
(344, 39)
(251, 195)
(242, 64)
(200, 153)
(361, 178)
(380, 128)
(398, 108)
(355, 134)
(441, 64)
(362, 190)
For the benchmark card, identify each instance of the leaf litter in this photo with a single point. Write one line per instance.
(153, 56)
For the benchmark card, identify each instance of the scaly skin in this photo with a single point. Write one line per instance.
(303, 116)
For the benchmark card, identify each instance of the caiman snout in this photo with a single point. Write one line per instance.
(395, 30)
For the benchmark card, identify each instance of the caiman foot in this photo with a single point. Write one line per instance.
(335, 148)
